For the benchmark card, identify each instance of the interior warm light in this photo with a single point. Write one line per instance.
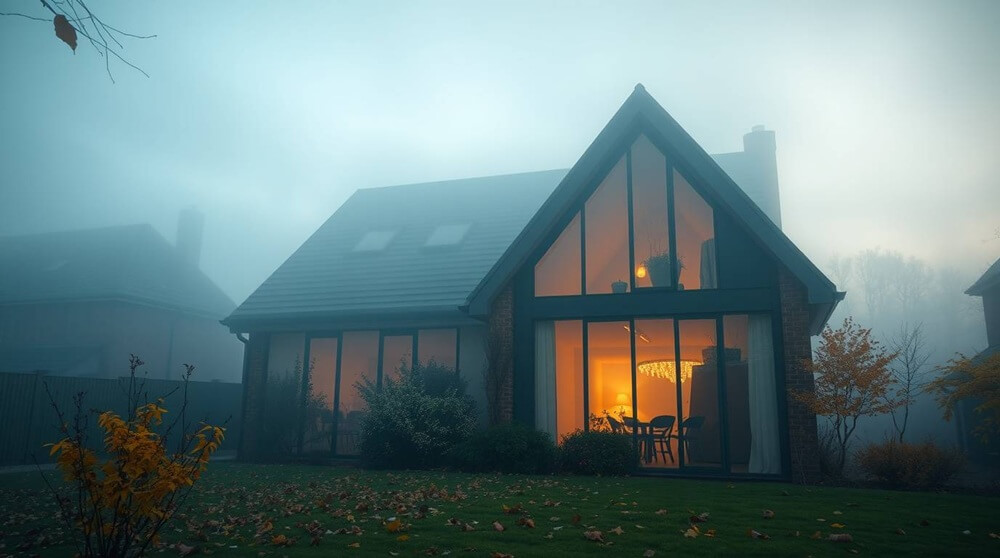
(640, 271)
(621, 399)
(663, 368)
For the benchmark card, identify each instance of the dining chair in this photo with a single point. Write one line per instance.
(689, 430)
(641, 431)
(616, 426)
(662, 432)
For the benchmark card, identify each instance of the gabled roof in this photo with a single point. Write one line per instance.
(131, 263)
(640, 109)
(989, 280)
(326, 278)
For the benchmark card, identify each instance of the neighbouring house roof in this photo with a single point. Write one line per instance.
(132, 263)
(370, 259)
(989, 280)
(371, 256)
(642, 111)
(52, 360)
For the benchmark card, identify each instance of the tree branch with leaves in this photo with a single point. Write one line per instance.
(74, 18)
(853, 380)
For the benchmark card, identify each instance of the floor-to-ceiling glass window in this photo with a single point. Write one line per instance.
(397, 353)
(650, 226)
(700, 424)
(606, 237)
(358, 362)
(686, 402)
(318, 431)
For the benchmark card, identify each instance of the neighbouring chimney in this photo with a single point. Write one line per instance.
(190, 225)
(759, 147)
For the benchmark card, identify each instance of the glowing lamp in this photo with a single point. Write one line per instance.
(640, 271)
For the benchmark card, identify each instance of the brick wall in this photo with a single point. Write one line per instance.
(254, 390)
(802, 437)
(501, 354)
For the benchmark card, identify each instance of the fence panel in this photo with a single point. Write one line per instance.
(28, 420)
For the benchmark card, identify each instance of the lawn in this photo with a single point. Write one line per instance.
(278, 510)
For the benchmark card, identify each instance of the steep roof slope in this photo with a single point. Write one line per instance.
(327, 277)
(132, 263)
(988, 280)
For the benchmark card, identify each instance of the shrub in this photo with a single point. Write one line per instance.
(117, 507)
(598, 453)
(282, 417)
(408, 426)
(894, 464)
(507, 448)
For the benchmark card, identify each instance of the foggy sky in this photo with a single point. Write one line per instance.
(267, 116)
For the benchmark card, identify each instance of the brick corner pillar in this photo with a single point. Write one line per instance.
(500, 387)
(254, 389)
(803, 441)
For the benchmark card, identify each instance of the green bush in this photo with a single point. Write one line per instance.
(598, 453)
(893, 464)
(508, 448)
(410, 427)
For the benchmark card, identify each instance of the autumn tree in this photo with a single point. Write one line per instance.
(976, 379)
(908, 372)
(853, 380)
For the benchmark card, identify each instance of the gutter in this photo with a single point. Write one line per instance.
(243, 405)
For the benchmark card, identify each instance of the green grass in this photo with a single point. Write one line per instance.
(234, 500)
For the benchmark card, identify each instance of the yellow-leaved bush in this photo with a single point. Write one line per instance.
(123, 500)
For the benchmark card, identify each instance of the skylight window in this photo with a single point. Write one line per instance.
(447, 235)
(374, 241)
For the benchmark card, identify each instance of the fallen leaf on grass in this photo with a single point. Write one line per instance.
(967, 532)
(595, 536)
(700, 518)
(816, 536)
(526, 522)
(649, 553)
(692, 532)
(497, 526)
(768, 514)
(618, 530)
(354, 545)
(186, 550)
(840, 537)
(501, 555)
(838, 525)
(403, 538)
(661, 511)
(994, 536)
(755, 534)
(900, 532)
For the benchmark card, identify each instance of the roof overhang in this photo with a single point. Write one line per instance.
(424, 318)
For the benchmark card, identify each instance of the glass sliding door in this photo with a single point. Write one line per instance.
(609, 373)
(397, 353)
(656, 392)
(700, 426)
(358, 362)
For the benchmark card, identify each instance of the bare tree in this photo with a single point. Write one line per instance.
(908, 371)
(74, 17)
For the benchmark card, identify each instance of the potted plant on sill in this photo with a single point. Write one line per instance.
(658, 268)
(619, 287)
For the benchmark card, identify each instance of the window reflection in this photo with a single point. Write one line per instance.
(606, 231)
(695, 225)
(651, 229)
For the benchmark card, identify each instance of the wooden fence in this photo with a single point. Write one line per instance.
(28, 420)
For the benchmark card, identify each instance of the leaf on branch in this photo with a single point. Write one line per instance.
(65, 31)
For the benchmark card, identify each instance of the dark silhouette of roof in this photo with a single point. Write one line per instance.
(327, 277)
(132, 263)
(989, 280)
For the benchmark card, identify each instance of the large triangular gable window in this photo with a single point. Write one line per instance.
(644, 227)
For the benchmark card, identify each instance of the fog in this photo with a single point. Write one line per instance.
(267, 116)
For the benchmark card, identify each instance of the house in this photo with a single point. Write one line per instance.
(78, 303)
(987, 287)
(642, 288)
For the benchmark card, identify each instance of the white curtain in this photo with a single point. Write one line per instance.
(545, 377)
(707, 272)
(765, 452)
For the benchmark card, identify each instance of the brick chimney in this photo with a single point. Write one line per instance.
(759, 148)
(190, 226)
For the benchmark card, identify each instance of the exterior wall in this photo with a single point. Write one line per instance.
(500, 347)
(254, 386)
(162, 338)
(803, 441)
(991, 309)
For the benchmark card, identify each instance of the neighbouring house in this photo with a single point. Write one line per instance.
(78, 303)
(642, 290)
(987, 287)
